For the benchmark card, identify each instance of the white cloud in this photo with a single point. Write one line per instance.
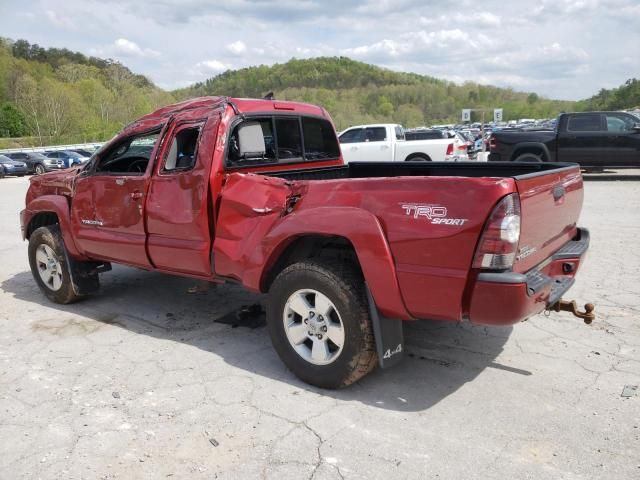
(237, 48)
(128, 48)
(557, 48)
(422, 44)
(212, 66)
(58, 20)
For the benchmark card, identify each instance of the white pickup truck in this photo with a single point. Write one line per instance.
(386, 142)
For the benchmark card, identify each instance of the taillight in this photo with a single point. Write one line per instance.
(449, 149)
(499, 240)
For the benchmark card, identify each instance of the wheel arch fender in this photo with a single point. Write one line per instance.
(360, 228)
(47, 205)
(413, 155)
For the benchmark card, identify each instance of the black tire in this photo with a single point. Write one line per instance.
(1, 172)
(39, 169)
(418, 158)
(343, 285)
(529, 157)
(51, 237)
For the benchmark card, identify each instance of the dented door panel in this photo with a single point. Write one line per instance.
(249, 207)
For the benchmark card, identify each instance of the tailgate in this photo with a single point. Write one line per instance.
(550, 202)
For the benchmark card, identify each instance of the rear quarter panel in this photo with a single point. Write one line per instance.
(432, 260)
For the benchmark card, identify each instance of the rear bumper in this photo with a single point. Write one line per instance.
(505, 298)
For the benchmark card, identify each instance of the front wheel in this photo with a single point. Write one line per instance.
(319, 323)
(40, 169)
(49, 265)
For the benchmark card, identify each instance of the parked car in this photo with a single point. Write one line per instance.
(256, 192)
(387, 143)
(37, 162)
(82, 151)
(12, 167)
(594, 140)
(68, 157)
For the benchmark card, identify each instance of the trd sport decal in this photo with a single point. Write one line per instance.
(436, 214)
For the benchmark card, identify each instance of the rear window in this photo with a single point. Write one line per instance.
(584, 123)
(399, 133)
(289, 139)
(319, 139)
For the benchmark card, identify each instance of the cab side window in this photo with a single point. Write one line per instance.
(129, 157)
(183, 150)
(584, 123)
(619, 123)
(352, 136)
(375, 134)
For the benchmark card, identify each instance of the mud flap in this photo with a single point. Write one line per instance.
(388, 335)
(84, 275)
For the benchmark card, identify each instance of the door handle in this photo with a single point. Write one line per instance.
(136, 195)
(353, 149)
(384, 147)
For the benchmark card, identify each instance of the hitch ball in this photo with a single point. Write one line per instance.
(570, 306)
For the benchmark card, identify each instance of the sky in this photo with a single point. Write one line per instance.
(563, 49)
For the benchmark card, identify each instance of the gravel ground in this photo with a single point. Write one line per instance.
(139, 382)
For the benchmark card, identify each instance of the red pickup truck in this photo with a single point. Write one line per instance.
(256, 192)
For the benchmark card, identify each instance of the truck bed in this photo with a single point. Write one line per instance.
(422, 169)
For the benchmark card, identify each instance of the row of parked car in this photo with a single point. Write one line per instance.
(25, 163)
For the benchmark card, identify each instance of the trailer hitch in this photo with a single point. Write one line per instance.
(570, 306)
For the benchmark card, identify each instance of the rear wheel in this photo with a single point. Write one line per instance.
(319, 323)
(1, 172)
(528, 157)
(49, 266)
(418, 158)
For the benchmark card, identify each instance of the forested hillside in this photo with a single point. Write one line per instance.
(57, 96)
(355, 92)
(624, 97)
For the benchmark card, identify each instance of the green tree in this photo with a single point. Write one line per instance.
(409, 116)
(12, 122)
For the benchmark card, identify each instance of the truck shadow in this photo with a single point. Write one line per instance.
(440, 358)
(609, 175)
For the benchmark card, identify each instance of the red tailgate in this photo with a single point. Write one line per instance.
(550, 204)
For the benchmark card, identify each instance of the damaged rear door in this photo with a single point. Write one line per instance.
(250, 205)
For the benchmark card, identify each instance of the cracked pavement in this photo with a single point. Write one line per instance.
(139, 382)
